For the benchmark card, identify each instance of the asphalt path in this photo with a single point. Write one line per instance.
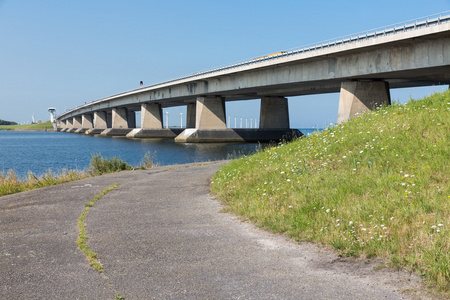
(160, 235)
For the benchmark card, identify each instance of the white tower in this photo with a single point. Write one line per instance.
(52, 117)
(52, 114)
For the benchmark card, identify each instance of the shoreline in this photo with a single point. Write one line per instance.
(27, 129)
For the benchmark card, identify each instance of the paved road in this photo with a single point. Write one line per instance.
(160, 235)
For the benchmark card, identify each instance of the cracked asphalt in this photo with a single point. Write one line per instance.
(160, 235)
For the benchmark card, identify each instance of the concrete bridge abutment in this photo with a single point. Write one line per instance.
(359, 96)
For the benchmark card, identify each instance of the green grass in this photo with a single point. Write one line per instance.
(91, 256)
(40, 126)
(377, 185)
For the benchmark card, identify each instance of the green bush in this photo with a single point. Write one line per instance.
(100, 165)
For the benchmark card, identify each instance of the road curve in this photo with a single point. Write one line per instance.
(159, 235)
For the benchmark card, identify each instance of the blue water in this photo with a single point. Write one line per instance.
(39, 152)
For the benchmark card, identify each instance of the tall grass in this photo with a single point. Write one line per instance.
(100, 165)
(377, 185)
(11, 183)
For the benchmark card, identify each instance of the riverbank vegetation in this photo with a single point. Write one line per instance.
(11, 183)
(32, 127)
(375, 186)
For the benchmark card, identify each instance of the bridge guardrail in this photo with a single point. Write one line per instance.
(431, 20)
(414, 24)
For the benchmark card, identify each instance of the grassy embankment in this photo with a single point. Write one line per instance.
(32, 127)
(377, 185)
(10, 183)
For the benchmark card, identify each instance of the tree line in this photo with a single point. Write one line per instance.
(3, 122)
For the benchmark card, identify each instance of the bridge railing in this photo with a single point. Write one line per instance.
(411, 25)
(414, 24)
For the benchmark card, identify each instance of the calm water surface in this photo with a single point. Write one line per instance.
(38, 152)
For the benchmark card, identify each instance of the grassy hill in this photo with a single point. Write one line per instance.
(377, 185)
(41, 126)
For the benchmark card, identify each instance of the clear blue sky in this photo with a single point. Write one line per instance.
(64, 53)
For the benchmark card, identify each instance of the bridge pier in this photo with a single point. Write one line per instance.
(86, 123)
(151, 124)
(62, 126)
(76, 124)
(151, 116)
(359, 96)
(69, 125)
(210, 123)
(122, 119)
(274, 113)
(99, 124)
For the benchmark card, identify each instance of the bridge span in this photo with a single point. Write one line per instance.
(363, 67)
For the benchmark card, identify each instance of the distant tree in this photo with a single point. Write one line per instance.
(2, 122)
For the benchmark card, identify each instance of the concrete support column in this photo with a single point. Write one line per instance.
(151, 116)
(86, 121)
(210, 125)
(61, 125)
(274, 113)
(76, 122)
(69, 123)
(119, 118)
(359, 96)
(100, 120)
(190, 115)
(210, 113)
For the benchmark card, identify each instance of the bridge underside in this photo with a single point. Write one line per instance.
(206, 116)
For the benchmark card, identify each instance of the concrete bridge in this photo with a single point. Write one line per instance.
(362, 67)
